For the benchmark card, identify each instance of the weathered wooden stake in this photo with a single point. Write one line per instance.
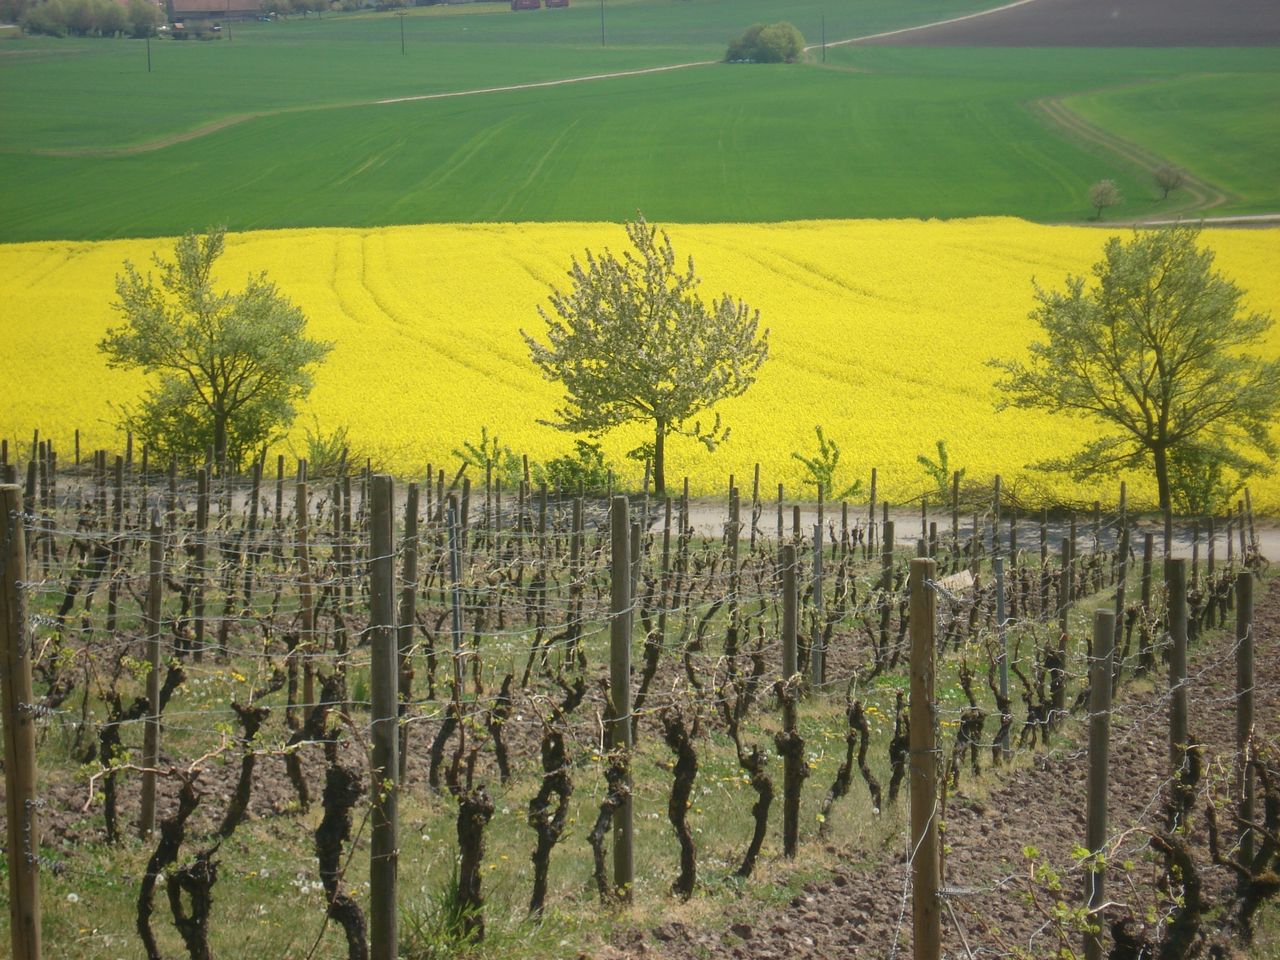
(151, 730)
(871, 520)
(995, 517)
(817, 661)
(1179, 735)
(781, 527)
(455, 596)
(790, 667)
(384, 720)
(407, 616)
(1059, 681)
(1244, 705)
(306, 603)
(997, 564)
(955, 521)
(1104, 631)
(926, 917)
(1122, 573)
(1253, 533)
(886, 588)
(19, 734)
(733, 533)
(201, 554)
(620, 686)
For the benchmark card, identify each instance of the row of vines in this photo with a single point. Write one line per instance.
(260, 702)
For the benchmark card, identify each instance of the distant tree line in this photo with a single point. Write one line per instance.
(83, 18)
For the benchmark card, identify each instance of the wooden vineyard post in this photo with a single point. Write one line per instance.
(577, 562)
(620, 686)
(117, 533)
(455, 597)
(1146, 658)
(1013, 563)
(1244, 705)
(869, 548)
(665, 573)
(844, 532)
(997, 566)
(1244, 550)
(635, 555)
(151, 732)
(306, 638)
(732, 533)
(817, 662)
(19, 734)
(1122, 573)
(886, 589)
(464, 515)
(407, 616)
(781, 527)
(955, 522)
(1104, 632)
(995, 518)
(201, 555)
(1253, 533)
(926, 917)
(1058, 674)
(251, 534)
(790, 667)
(755, 506)
(384, 777)
(1179, 736)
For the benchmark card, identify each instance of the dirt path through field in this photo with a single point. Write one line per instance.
(863, 909)
(1054, 112)
(225, 122)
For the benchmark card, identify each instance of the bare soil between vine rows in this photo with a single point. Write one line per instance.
(863, 909)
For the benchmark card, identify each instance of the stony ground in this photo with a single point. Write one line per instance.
(863, 909)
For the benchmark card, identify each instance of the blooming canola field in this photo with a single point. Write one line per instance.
(879, 332)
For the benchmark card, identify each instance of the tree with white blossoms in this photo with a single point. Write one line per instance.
(631, 341)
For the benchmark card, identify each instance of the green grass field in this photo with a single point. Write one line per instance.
(1235, 141)
(870, 132)
(75, 95)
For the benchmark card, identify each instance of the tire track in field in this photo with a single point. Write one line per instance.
(1054, 111)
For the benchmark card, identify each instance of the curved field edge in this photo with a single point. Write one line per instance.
(1234, 145)
(879, 332)
(1196, 195)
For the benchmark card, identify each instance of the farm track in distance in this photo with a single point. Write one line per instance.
(1203, 196)
(226, 122)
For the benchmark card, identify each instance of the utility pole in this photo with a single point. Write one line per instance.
(602, 23)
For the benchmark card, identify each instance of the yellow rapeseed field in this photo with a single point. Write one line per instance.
(878, 331)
